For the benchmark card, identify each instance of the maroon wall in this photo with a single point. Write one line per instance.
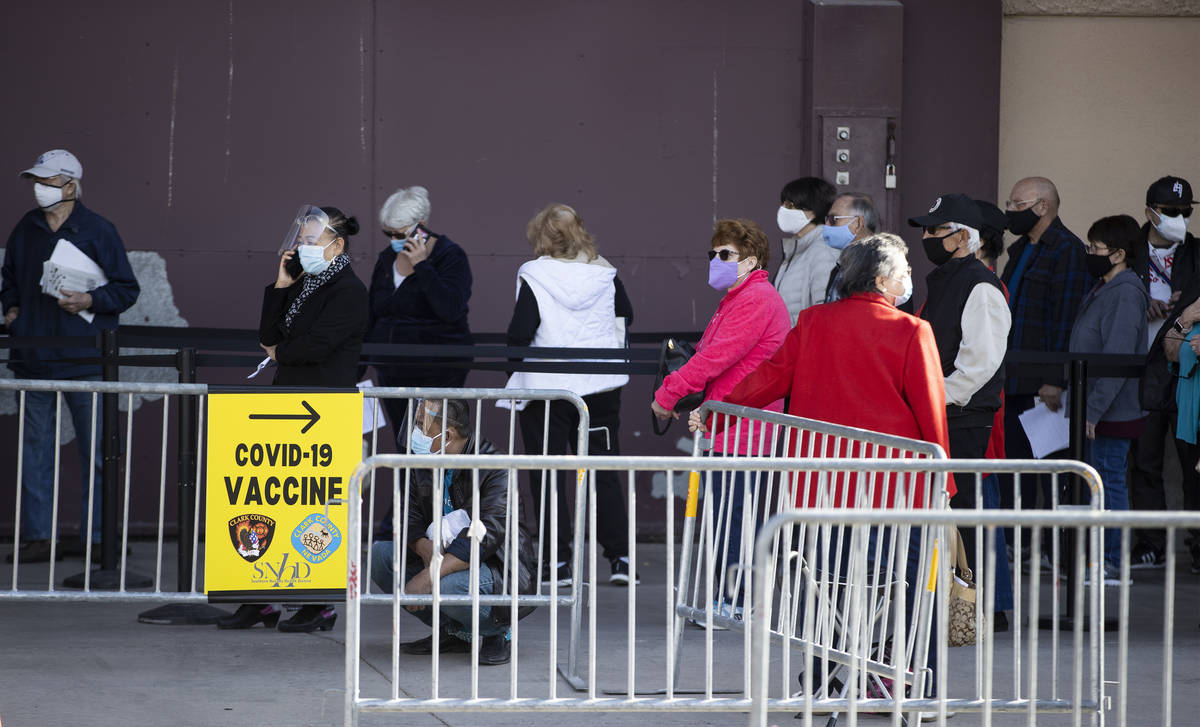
(202, 126)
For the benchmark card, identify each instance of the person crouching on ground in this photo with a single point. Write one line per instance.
(443, 426)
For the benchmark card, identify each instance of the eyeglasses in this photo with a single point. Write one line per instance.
(395, 235)
(933, 230)
(831, 220)
(725, 254)
(1097, 249)
(1185, 212)
(1014, 204)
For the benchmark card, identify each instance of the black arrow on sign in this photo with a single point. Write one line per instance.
(312, 416)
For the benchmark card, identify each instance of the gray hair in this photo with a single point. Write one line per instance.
(865, 260)
(457, 414)
(862, 205)
(972, 235)
(406, 207)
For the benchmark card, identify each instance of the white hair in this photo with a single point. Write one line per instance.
(406, 206)
(973, 239)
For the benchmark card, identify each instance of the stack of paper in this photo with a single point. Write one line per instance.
(69, 268)
(1047, 431)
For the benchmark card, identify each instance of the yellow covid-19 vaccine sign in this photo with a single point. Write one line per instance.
(279, 467)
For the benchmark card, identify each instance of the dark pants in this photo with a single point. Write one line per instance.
(967, 442)
(612, 521)
(1146, 490)
(1016, 446)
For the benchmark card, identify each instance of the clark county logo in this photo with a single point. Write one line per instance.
(316, 538)
(251, 535)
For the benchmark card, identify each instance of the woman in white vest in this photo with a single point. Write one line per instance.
(569, 296)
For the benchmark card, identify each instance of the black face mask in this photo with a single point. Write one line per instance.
(1098, 265)
(1021, 222)
(935, 250)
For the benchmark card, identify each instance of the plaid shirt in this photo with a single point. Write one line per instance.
(1044, 306)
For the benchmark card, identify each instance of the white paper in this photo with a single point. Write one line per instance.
(261, 365)
(453, 523)
(71, 269)
(1047, 431)
(372, 411)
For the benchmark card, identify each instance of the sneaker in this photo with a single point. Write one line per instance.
(722, 609)
(1195, 550)
(563, 573)
(447, 644)
(999, 622)
(620, 572)
(933, 716)
(1146, 556)
(1047, 564)
(1112, 576)
(35, 551)
(495, 650)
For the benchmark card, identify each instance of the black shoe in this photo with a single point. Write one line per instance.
(249, 614)
(999, 622)
(35, 551)
(494, 650)
(1195, 550)
(310, 618)
(1147, 556)
(446, 645)
(563, 573)
(620, 572)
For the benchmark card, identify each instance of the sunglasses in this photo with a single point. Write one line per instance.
(725, 254)
(1174, 211)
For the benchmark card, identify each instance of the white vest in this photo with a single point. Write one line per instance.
(576, 306)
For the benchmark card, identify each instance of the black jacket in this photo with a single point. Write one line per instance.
(949, 285)
(430, 306)
(1185, 270)
(323, 345)
(493, 510)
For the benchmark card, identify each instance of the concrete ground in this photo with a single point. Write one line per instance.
(93, 663)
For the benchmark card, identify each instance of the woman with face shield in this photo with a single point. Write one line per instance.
(314, 317)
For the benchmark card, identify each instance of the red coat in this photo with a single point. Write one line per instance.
(859, 362)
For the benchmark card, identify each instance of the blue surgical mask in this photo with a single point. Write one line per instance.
(837, 237)
(312, 258)
(398, 244)
(422, 443)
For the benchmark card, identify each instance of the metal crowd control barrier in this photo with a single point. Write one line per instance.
(182, 426)
(573, 597)
(446, 684)
(1083, 699)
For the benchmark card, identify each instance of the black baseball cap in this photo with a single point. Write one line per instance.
(950, 208)
(1169, 191)
(992, 216)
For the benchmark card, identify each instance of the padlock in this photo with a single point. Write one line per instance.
(889, 176)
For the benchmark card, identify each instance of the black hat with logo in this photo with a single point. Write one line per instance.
(1169, 192)
(950, 208)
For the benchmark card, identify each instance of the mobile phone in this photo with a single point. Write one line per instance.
(419, 233)
(293, 267)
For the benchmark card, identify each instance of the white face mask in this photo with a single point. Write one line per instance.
(46, 195)
(791, 221)
(312, 258)
(907, 284)
(1173, 229)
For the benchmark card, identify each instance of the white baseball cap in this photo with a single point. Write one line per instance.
(53, 163)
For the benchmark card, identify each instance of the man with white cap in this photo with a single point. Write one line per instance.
(28, 311)
(969, 315)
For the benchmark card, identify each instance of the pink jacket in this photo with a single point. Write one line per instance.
(749, 325)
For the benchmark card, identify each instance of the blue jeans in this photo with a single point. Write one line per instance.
(456, 619)
(37, 469)
(1107, 455)
(1003, 600)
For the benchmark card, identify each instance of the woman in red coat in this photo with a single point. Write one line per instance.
(859, 361)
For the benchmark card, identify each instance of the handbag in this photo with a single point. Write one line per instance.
(962, 597)
(672, 356)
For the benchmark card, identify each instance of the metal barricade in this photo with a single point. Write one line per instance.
(39, 581)
(626, 641)
(545, 491)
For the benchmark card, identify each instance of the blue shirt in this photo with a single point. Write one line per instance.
(29, 246)
(1015, 282)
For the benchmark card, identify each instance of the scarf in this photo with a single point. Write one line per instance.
(311, 283)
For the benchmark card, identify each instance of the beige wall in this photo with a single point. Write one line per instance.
(1103, 106)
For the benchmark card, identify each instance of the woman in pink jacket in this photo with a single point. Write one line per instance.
(749, 325)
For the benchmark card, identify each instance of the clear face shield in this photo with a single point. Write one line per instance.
(308, 228)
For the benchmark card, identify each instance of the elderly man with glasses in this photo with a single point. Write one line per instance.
(851, 218)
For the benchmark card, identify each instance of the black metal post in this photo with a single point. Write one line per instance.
(111, 454)
(186, 363)
(185, 614)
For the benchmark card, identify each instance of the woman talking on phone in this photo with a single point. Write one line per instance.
(313, 320)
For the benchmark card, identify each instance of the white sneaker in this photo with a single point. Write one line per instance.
(933, 716)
